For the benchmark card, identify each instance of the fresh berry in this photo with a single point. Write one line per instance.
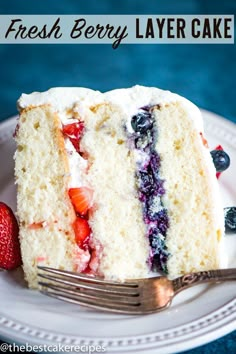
(219, 148)
(10, 256)
(81, 198)
(74, 132)
(146, 182)
(230, 219)
(221, 160)
(141, 122)
(155, 162)
(154, 167)
(82, 233)
(149, 184)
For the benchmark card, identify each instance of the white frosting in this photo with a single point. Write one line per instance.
(142, 158)
(134, 98)
(131, 99)
(77, 165)
(61, 98)
(65, 119)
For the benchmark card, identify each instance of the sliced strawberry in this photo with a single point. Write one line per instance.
(10, 256)
(81, 198)
(82, 232)
(74, 131)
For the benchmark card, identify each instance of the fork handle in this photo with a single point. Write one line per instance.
(191, 279)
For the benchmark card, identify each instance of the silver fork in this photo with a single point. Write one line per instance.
(138, 296)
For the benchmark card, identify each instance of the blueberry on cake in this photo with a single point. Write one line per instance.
(115, 184)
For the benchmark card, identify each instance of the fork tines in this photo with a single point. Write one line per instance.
(90, 291)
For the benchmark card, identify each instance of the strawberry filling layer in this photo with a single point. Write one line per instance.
(87, 253)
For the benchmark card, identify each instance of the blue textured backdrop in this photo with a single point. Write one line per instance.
(203, 73)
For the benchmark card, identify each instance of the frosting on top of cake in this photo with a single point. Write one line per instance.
(61, 98)
(130, 99)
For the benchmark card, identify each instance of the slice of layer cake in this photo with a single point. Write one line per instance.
(115, 184)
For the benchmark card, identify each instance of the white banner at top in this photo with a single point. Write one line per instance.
(117, 29)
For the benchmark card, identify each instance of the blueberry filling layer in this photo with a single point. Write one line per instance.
(150, 186)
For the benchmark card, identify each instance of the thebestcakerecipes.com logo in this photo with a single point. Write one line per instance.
(117, 29)
(50, 348)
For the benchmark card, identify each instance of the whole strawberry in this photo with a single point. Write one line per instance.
(10, 256)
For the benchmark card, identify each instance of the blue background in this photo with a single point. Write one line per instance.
(205, 74)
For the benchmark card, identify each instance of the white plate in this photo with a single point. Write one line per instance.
(197, 316)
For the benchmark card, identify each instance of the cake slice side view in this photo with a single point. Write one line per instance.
(115, 184)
